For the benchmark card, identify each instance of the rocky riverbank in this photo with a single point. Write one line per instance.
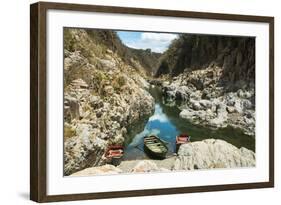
(103, 96)
(205, 99)
(206, 154)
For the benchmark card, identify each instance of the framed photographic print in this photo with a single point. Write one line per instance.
(134, 102)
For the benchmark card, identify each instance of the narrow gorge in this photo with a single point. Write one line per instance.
(116, 94)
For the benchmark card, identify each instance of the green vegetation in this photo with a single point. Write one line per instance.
(69, 132)
(118, 83)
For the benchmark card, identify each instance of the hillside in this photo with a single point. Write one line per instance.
(105, 92)
(143, 60)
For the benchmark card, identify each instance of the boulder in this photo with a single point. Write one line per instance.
(207, 104)
(108, 90)
(83, 150)
(230, 109)
(182, 93)
(73, 60)
(187, 114)
(246, 104)
(230, 99)
(71, 108)
(79, 84)
(212, 153)
(195, 105)
(96, 102)
(145, 166)
(107, 65)
(243, 94)
(221, 118)
(196, 95)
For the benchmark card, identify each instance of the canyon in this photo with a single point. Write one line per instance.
(211, 79)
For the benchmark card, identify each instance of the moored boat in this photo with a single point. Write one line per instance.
(181, 139)
(155, 147)
(114, 154)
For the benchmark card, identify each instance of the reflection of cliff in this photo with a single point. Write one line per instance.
(134, 129)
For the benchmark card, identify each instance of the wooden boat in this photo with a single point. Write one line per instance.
(155, 147)
(114, 154)
(181, 139)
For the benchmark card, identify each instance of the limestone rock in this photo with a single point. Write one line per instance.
(145, 166)
(71, 108)
(96, 102)
(73, 60)
(211, 153)
(205, 104)
(108, 90)
(230, 109)
(217, 105)
(107, 64)
(79, 83)
(101, 170)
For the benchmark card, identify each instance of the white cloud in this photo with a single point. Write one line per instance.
(160, 117)
(159, 37)
(157, 42)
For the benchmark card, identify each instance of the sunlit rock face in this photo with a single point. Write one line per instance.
(211, 153)
(213, 80)
(104, 94)
(214, 106)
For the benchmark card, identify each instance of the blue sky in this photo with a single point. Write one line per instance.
(157, 42)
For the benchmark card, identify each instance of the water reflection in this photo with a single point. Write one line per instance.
(158, 124)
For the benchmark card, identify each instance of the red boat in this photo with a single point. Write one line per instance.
(181, 139)
(114, 154)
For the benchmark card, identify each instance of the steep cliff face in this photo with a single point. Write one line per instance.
(235, 55)
(213, 79)
(104, 93)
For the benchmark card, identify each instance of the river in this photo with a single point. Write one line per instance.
(166, 123)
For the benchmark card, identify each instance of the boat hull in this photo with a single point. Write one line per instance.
(115, 161)
(114, 155)
(181, 139)
(153, 154)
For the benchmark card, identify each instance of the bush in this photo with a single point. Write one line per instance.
(69, 132)
(119, 82)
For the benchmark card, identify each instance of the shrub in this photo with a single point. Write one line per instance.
(119, 82)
